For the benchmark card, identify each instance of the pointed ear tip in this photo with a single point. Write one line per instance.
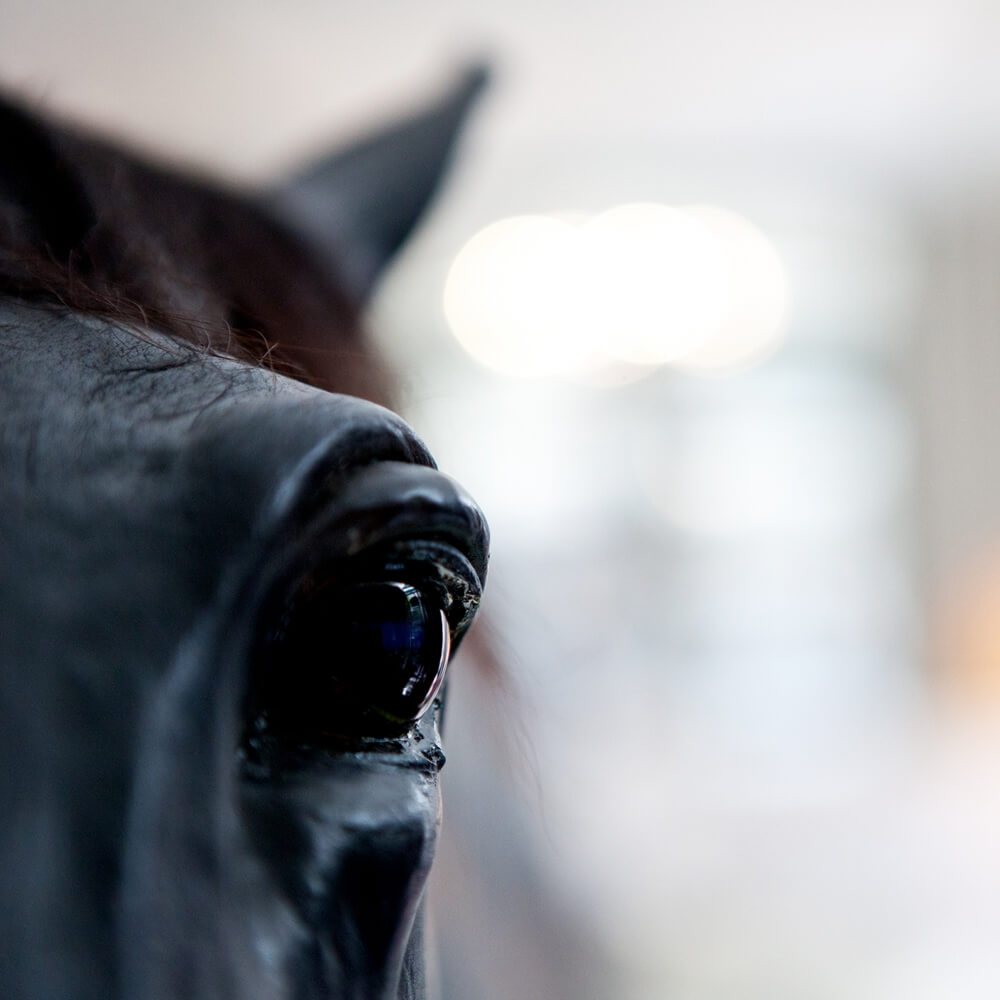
(474, 79)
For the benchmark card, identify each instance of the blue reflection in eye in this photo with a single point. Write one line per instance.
(359, 658)
(398, 643)
(396, 635)
(401, 609)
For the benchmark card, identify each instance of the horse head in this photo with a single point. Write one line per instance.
(229, 587)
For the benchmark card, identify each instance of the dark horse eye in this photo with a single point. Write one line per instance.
(348, 659)
(394, 645)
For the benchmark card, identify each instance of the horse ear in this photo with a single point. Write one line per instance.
(47, 207)
(359, 204)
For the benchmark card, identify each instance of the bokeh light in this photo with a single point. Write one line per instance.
(512, 297)
(756, 294)
(640, 285)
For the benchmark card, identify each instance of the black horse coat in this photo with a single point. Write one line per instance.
(227, 588)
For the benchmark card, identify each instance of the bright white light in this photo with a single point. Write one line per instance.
(755, 289)
(640, 285)
(512, 297)
(653, 283)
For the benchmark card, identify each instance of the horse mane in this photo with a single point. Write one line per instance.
(89, 228)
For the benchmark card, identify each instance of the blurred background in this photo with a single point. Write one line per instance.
(707, 319)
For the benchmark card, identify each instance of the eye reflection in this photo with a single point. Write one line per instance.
(398, 643)
(348, 660)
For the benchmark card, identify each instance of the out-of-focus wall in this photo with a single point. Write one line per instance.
(955, 402)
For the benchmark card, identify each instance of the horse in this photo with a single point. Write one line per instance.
(230, 579)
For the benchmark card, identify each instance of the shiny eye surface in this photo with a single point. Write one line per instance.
(342, 660)
(400, 645)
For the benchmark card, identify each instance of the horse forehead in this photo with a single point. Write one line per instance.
(61, 370)
(83, 396)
